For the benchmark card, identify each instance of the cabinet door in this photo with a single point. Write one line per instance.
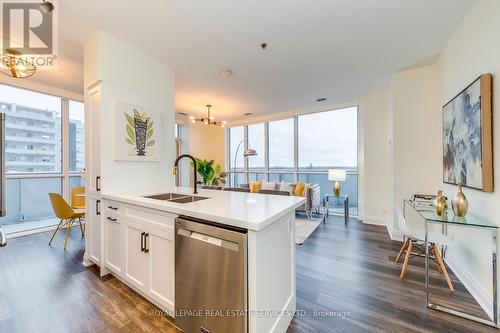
(135, 259)
(93, 229)
(161, 263)
(114, 257)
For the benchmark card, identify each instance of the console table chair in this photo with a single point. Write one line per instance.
(415, 241)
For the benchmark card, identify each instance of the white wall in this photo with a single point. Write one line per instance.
(129, 74)
(201, 141)
(416, 134)
(206, 142)
(415, 100)
(374, 162)
(474, 50)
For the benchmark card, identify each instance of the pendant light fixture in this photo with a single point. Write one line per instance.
(14, 65)
(209, 120)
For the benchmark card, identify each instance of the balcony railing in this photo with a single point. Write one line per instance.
(27, 196)
(26, 139)
(42, 152)
(33, 128)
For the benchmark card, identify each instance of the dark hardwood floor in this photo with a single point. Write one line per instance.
(347, 281)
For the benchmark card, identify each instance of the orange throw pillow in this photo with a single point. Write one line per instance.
(299, 189)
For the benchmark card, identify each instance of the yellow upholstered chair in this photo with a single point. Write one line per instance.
(78, 197)
(67, 215)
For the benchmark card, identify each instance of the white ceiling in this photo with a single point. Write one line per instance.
(338, 49)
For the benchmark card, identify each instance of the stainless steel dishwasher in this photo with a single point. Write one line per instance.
(210, 277)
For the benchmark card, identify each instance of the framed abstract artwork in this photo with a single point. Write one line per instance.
(467, 137)
(137, 133)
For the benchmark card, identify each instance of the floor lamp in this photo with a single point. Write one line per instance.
(246, 153)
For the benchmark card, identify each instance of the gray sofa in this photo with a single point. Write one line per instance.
(312, 195)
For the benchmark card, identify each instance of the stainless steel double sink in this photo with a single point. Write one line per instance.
(176, 197)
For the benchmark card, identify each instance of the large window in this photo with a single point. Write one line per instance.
(44, 152)
(256, 141)
(32, 131)
(236, 135)
(328, 139)
(76, 137)
(281, 144)
(300, 148)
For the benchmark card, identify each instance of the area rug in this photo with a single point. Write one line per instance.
(304, 227)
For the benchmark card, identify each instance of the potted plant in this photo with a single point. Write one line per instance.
(211, 175)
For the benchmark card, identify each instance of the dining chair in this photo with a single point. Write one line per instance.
(414, 239)
(67, 215)
(78, 197)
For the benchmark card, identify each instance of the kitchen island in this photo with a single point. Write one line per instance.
(138, 235)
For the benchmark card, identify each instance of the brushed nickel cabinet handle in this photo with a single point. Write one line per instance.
(146, 250)
(142, 242)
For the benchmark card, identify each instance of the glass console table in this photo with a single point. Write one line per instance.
(332, 198)
(470, 221)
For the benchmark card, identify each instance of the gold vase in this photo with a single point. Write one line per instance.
(460, 204)
(440, 204)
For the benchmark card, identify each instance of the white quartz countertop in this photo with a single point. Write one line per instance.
(251, 211)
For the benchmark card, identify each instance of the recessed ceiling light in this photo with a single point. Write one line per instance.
(322, 99)
(226, 72)
(247, 114)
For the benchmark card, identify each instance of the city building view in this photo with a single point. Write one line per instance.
(34, 153)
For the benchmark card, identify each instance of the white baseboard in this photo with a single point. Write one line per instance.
(384, 221)
(86, 262)
(394, 234)
(473, 286)
(376, 220)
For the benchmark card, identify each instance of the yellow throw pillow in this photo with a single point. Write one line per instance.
(306, 188)
(299, 189)
(255, 186)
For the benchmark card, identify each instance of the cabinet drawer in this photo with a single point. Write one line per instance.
(112, 208)
(153, 218)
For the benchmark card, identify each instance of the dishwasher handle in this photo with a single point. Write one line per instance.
(209, 239)
(3, 238)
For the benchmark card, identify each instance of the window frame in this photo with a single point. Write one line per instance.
(258, 169)
(65, 173)
(268, 136)
(295, 170)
